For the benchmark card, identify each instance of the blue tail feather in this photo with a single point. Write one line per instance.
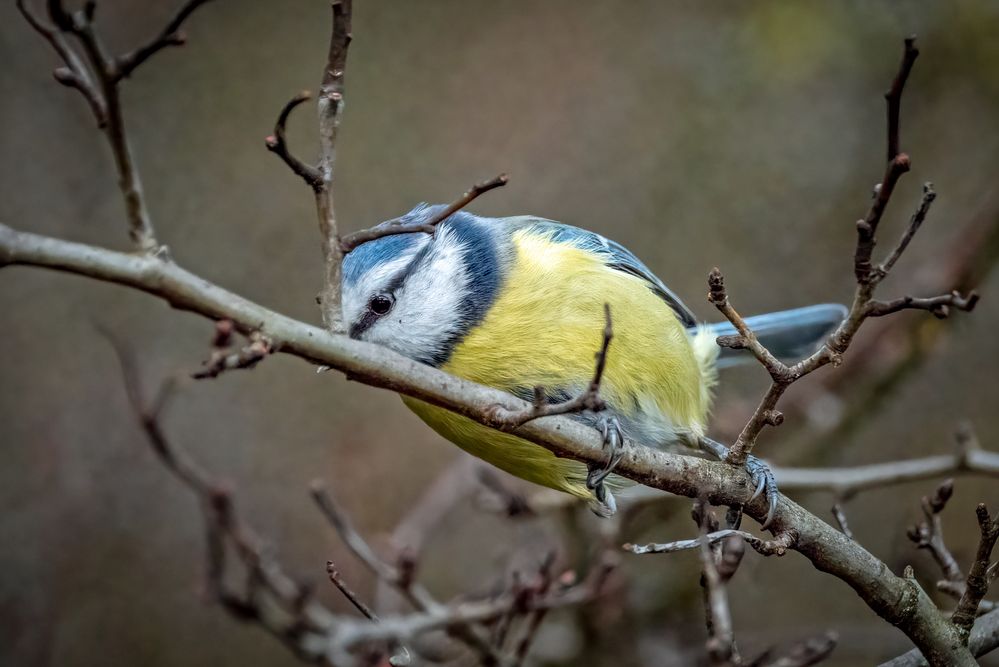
(789, 334)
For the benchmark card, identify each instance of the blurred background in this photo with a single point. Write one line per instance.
(698, 134)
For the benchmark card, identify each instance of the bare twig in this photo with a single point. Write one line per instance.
(351, 241)
(330, 107)
(348, 593)
(721, 637)
(171, 35)
(840, 516)
(399, 577)
(75, 74)
(351, 537)
(939, 306)
(928, 534)
(272, 599)
(534, 619)
(455, 616)
(910, 232)
(981, 574)
(775, 547)
(894, 94)
(718, 296)
(224, 358)
(277, 144)
(864, 306)
(402, 655)
(587, 400)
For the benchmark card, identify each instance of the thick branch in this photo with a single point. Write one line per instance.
(984, 639)
(844, 482)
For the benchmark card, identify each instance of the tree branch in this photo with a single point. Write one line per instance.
(984, 639)
(894, 94)
(171, 35)
(351, 241)
(330, 107)
(867, 277)
(276, 144)
(928, 534)
(981, 574)
(890, 596)
(587, 400)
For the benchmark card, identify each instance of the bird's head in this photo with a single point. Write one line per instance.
(417, 293)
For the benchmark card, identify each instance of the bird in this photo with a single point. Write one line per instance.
(519, 304)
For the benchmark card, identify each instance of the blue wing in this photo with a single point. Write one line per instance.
(615, 255)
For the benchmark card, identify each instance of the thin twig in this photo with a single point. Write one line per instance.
(351, 241)
(718, 296)
(863, 306)
(910, 232)
(98, 82)
(75, 74)
(939, 306)
(171, 35)
(534, 619)
(400, 578)
(348, 593)
(775, 547)
(894, 94)
(720, 645)
(981, 574)
(224, 358)
(840, 516)
(277, 144)
(587, 400)
(928, 534)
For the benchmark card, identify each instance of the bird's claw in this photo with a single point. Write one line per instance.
(613, 442)
(759, 471)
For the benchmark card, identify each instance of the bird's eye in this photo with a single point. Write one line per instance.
(380, 304)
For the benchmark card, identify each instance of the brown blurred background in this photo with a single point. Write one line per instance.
(744, 135)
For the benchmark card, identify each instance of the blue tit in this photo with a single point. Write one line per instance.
(517, 303)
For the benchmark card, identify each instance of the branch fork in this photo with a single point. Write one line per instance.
(867, 278)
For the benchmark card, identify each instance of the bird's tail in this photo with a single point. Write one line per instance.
(789, 334)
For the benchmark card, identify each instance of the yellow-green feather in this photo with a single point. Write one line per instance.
(544, 329)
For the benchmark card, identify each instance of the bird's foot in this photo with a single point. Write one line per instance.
(759, 471)
(596, 474)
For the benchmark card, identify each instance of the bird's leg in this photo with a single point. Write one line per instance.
(759, 471)
(613, 442)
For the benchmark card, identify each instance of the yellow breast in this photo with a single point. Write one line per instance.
(544, 329)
